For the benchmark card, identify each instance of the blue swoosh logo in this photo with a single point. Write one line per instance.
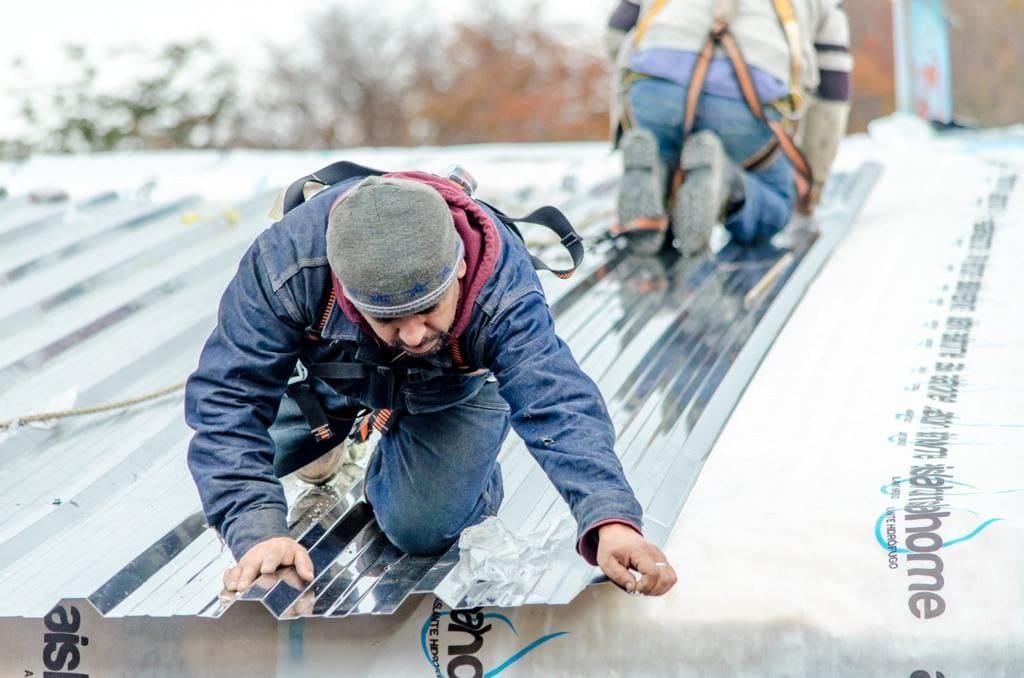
(880, 532)
(527, 649)
(885, 489)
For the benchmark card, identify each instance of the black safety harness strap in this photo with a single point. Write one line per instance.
(552, 219)
(312, 410)
(329, 175)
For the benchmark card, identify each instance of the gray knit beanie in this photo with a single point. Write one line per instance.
(393, 245)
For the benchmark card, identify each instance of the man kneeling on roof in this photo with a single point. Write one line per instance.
(441, 326)
(705, 98)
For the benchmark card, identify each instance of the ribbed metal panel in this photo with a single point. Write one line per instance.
(114, 297)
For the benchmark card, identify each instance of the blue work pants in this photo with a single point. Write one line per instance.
(659, 106)
(431, 476)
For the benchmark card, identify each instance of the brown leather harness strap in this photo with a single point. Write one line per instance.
(804, 177)
(760, 158)
(697, 78)
(720, 35)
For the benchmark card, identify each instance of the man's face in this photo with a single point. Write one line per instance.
(421, 334)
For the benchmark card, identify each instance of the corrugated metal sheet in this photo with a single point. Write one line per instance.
(111, 297)
(106, 298)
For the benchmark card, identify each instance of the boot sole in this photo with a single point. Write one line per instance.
(322, 470)
(697, 207)
(641, 193)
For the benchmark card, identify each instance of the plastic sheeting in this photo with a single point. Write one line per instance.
(495, 564)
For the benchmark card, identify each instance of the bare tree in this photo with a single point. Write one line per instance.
(159, 107)
(347, 85)
(507, 78)
(360, 80)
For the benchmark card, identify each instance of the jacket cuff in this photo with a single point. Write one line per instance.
(833, 85)
(609, 506)
(587, 544)
(252, 527)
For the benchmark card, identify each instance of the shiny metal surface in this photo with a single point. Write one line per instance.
(104, 508)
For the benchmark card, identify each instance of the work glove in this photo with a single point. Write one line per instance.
(613, 38)
(824, 125)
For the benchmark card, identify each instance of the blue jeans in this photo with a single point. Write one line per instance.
(659, 106)
(433, 475)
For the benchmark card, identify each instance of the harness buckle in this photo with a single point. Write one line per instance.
(300, 375)
(322, 433)
(459, 175)
(571, 239)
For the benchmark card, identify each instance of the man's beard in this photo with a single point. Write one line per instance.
(438, 341)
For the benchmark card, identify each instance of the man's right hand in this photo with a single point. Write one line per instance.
(265, 558)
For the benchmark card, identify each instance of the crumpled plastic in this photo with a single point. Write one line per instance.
(499, 567)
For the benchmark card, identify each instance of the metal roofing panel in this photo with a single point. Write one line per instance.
(104, 507)
(780, 570)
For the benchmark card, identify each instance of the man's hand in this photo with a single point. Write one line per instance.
(264, 558)
(620, 548)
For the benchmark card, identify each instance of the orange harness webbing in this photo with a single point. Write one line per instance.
(379, 420)
(720, 35)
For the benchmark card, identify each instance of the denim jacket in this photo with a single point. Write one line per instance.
(277, 296)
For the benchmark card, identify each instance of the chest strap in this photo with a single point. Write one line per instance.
(384, 377)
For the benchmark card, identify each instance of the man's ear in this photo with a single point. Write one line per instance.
(462, 268)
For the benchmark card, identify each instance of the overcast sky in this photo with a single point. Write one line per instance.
(36, 30)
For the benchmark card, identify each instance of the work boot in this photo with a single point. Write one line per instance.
(310, 505)
(322, 470)
(642, 218)
(712, 188)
